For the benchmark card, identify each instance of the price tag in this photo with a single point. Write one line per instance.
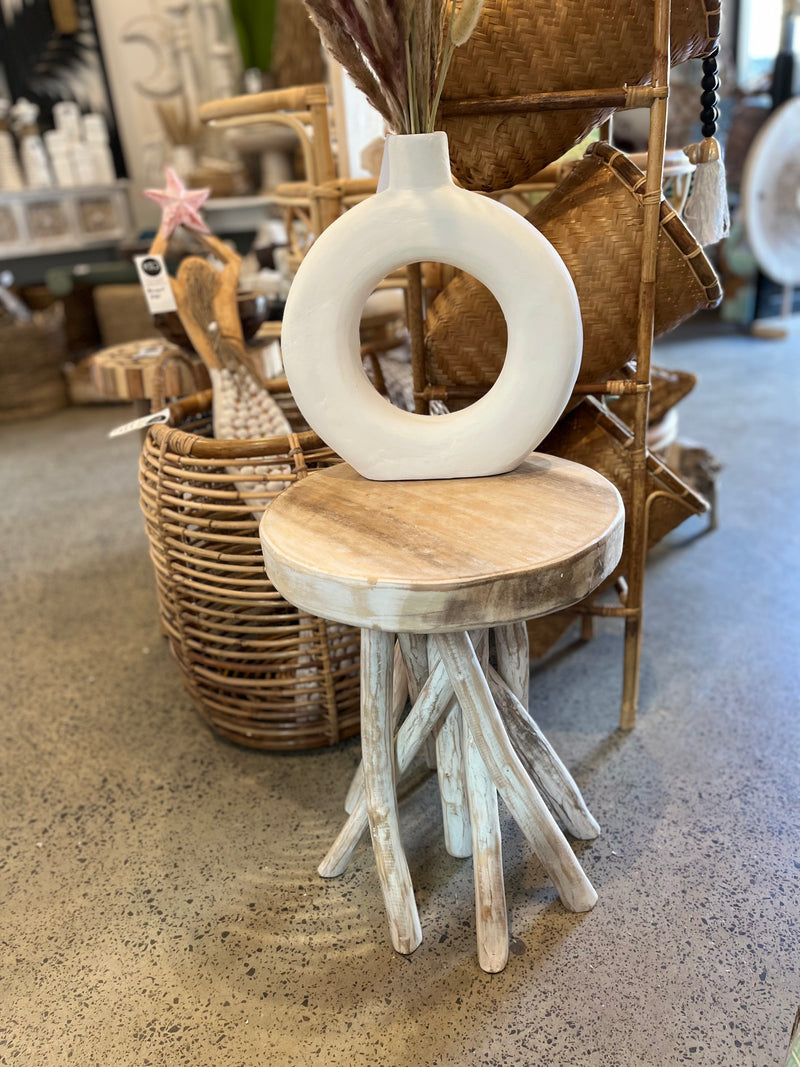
(154, 279)
(148, 352)
(141, 423)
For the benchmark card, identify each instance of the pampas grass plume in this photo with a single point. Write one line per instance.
(465, 21)
(396, 51)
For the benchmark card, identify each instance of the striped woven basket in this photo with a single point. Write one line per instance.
(260, 672)
(593, 218)
(528, 46)
(31, 356)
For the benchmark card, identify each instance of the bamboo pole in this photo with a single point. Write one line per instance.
(416, 328)
(613, 387)
(324, 166)
(622, 98)
(294, 99)
(637, 549)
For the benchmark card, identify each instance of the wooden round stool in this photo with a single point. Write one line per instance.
(441, 564)
(141, 371)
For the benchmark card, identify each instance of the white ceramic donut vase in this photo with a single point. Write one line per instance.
(421, 216)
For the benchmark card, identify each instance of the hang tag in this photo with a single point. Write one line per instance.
(142, 423)
(152, 271)
(148, 352)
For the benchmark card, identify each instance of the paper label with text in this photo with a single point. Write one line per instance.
(141, 423)
(155, 282)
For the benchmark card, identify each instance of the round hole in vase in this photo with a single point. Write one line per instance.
(457, 381)
(419, 215)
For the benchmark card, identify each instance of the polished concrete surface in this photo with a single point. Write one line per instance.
(160, 903)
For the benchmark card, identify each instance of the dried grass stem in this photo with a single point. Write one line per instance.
(396, 51)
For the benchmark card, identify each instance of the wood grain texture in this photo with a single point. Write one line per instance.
(377, 741)
(451, 772)
(491, 918)
(540, 760)
(433, 703)
(399, 698)
(513, 659)
(119, 371)
(509, 776)
(414, 648)
(440, 556)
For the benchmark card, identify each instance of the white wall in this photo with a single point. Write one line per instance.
(356, 120)
(135, 61)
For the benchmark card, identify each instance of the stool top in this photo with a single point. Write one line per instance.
(437, 556)
(127, 371)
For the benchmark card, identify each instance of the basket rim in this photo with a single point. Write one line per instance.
(184, 443)
(668, 480)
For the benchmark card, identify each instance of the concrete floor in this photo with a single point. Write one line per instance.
(159, 897)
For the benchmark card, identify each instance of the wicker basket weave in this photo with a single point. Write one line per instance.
(593, 218)
(528, 46)
(595, 437)
(259, 671)
(31, 356)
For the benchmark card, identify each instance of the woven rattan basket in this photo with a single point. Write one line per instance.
(593, 218)
(259, 671)
(122, 313)
(528, 46)
(593, 436)
(31, 356)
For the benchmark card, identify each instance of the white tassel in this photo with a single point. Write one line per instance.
(706, 212)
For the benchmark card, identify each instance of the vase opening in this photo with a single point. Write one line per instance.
(459, 371)
(415, 161)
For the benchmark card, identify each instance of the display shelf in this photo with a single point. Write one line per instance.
(40, 222)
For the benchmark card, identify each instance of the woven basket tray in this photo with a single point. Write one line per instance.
(31, 357)
(528, 46)
(259, 671)
(594, 437)
(593, 218)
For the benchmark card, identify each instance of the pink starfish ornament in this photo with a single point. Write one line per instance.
(179, 205)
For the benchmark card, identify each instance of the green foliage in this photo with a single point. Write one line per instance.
(255, 28)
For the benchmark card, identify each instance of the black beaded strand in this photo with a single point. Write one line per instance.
(706, 209)
(709, 116)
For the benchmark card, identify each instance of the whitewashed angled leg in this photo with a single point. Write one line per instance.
(451, 771)
(452, 775)
(491, 920)
(415, 654)
(526, 806)
(541, 761)
(510, 687)
(399, 698)
(513, 659)
(378, 748)
(434, 701)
